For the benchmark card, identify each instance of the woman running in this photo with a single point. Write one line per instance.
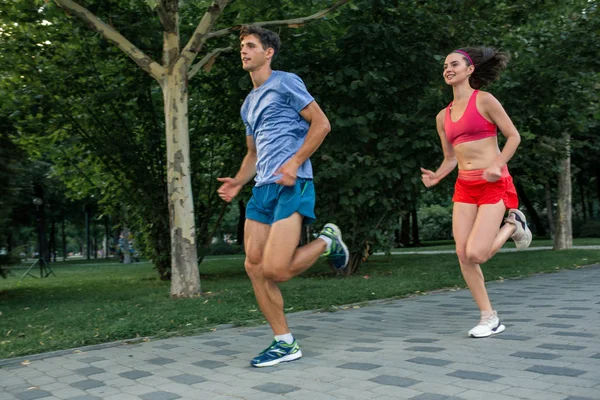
(484, 189)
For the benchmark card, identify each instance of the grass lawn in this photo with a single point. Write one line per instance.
(449, 244)
(103, 302)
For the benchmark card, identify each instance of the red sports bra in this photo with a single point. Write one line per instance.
(471, 126)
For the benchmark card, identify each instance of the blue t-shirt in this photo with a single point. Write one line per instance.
(271, 114)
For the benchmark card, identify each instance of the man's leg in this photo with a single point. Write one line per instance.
(269, 298)
(283, 259)
(266, 290)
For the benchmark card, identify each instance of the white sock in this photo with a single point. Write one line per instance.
(327, 240)
(288, 338)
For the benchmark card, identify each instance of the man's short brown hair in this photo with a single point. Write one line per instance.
(266, 37)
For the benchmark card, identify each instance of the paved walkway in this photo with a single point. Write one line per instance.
(413, 348)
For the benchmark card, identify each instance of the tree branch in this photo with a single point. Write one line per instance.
(110, 34)
(166, 10)
(292, 23)
(209, 58)
(199, 36)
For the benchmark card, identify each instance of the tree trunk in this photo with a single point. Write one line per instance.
(415, 227)
(126, 251)
(354, 262)
(549, 208)
(535, 217)
(41, 224)
(88, 240)
(185, 278)
(564, 234)
(582, 196)
(598, 183)
(64, 237)
(106, 236)
(52, 241)
(405, 230)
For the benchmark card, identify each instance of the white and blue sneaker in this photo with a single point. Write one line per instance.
(338, 254)
(277, 352)
(487, 326)
(522, 234)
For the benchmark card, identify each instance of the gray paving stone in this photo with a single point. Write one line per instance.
(160, 396)
(89, 371)
(216, 343)
(597, 355)
(84, 397)
(373, 318)
(89, 360)
(304, 328)
(33, 394)
(554, 346)
(558, 326)
(210, 364)
(87, 384)
(430, 361)
(254, 334)
(508, 336)
(359, 366)
(546, 370)
(366, 340)
(370, 329)
(278, 388)
(225, 352)
(394, 381)
(135, 374)
(421, 340)
(535, 356)
(579, 398)
(167, 347)
(434, 396)
(187, 379)
(426, 349)
(364, 349)
(566, 316)
(160, 361)
(574, 334)
(475, 375)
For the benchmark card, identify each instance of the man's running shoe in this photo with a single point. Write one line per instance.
(522, 234)
(487, 327)
(338, 254)
(278, 351)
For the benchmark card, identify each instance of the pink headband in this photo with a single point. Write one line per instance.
(464, 53)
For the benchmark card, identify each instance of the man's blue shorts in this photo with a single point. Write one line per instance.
(272, 202)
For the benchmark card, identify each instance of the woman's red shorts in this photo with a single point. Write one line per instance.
(471, 188)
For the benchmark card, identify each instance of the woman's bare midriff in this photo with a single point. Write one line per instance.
(478, 154)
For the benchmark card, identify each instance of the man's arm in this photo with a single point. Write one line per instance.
(319, 128)
(232, 186)
(248, 168)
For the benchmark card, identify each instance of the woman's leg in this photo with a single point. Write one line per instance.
(463, 220)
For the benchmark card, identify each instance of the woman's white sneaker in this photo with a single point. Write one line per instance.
(522, 234)
(488, 325)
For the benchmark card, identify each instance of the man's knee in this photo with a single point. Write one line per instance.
(253, 267)
(276, 274)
